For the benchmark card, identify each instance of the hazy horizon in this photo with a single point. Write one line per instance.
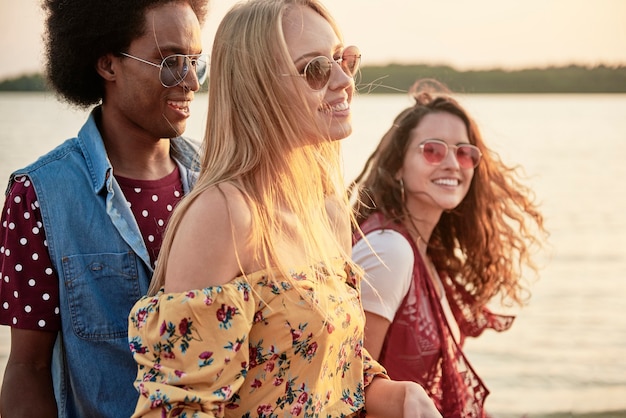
(482, 34)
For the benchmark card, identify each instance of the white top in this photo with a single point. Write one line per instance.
(386, 283)
(388, 276)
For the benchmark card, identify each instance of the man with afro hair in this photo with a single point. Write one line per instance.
(81, 226)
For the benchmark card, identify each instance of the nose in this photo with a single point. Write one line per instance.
(450, 158)
(338, 77)
(191, 82)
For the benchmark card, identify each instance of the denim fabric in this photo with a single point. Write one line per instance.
(103, 267)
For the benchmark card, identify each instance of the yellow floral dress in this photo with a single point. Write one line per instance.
(254, 347)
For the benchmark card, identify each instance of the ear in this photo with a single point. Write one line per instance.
(105, 66)
(398, 175)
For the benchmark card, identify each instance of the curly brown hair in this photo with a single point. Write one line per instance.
(78, 32)
(482, 243)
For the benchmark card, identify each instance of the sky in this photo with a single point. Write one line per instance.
(465, 34)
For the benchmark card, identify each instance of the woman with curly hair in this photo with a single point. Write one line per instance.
(82, 226)
(445, 226)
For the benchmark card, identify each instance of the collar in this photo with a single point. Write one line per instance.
(92, 146)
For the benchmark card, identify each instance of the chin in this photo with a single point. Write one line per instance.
(450, 206)
(176, 130)
(340, 131)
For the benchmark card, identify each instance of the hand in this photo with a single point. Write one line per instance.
(417, 403)
(393, 399)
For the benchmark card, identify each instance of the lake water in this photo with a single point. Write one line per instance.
(566, 352)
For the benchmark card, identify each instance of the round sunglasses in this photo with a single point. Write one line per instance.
(174, 68)
(317, 71)
(435, 151)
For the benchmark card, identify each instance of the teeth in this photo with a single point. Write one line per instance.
(326, 108)
(447, 182)
(341, 106)
(182, 105)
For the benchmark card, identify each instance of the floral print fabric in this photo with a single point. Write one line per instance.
(255, 347)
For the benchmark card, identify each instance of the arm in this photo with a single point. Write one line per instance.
(376, 328)
(190, 343)
(388, 275)
(389, 399)
(27, 389)
(191, 350)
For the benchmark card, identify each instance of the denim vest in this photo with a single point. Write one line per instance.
(103, 267)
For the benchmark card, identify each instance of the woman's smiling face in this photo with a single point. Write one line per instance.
(429, 187)
(309, 35)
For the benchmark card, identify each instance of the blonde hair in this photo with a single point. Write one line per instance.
(259, 138)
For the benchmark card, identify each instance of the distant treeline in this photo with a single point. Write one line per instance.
(31, 82)
(571, 79)
(396, 78)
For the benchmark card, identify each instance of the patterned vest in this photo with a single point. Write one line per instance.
(419, 344)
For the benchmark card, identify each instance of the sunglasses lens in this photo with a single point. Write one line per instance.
(350, 60)
(434, 152)
(176, 67)
(202, 69)
(317, 72)
(468, 156)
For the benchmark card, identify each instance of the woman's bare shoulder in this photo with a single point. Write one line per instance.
(207, 250)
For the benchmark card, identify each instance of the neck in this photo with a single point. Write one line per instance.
(420, 227)
(422, 246)
(140, 164)
(414, 231)
(135, 154)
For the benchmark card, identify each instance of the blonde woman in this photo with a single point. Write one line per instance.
(254, 309)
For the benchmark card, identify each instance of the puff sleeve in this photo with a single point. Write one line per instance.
(191, 349)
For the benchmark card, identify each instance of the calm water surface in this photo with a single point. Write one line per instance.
(566, 351)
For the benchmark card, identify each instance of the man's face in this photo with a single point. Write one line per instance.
(143, 102)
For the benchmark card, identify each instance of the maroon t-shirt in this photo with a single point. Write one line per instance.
(29, 286)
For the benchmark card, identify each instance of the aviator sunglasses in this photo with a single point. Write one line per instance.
(435, 151)
(174, 68)
(317, 71)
